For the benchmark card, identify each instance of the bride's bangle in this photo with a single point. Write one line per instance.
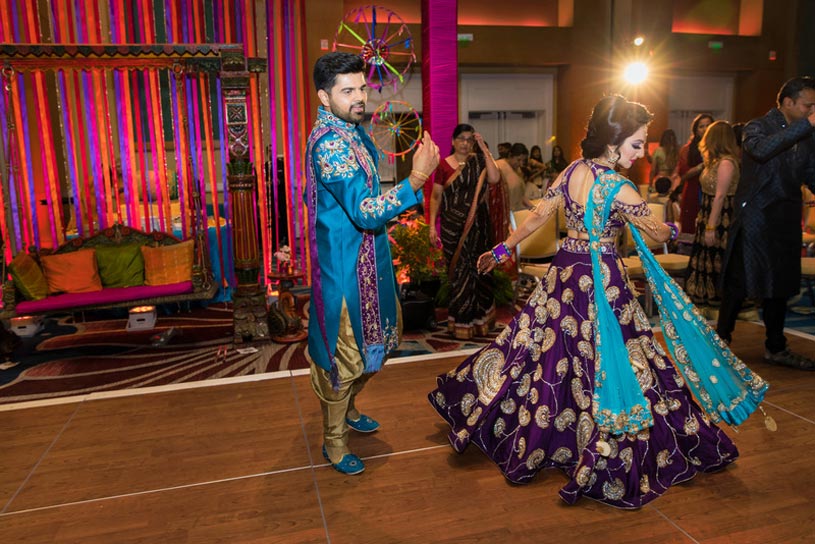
(674, 230)
(500, 253)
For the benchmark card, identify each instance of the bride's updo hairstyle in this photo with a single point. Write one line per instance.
(612, 121)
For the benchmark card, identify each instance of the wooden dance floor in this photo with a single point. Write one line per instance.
(241, 462)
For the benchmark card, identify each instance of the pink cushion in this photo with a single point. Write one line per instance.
(108, 295)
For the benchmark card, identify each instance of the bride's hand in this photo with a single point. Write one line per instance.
(486, 262)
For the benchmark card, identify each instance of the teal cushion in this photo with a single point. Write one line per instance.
(120, 266)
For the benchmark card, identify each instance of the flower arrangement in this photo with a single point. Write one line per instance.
(283, 256)
(414, 257)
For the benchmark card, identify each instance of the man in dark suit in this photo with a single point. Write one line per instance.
(763, 259)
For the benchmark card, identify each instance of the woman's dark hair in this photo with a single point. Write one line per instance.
(694, 155)
(612, 120)
(559, 150)
(330, 65)
(533, 155)
(463, 127)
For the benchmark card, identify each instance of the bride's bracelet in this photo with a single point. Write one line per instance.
(500, 253)
(674, 230)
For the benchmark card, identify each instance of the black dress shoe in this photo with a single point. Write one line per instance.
(790, 359)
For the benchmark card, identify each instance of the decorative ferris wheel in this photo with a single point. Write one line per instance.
(384, 42)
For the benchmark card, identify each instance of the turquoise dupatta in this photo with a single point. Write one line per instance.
(723, 385)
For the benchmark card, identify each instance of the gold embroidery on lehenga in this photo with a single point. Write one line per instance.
(614, 491)
(585, 428)
(541, 313)
(467, 403)
(523, 416)
(549, 338)
(645, 484)
(542, 416)
(583, 401)
(523, 387)
(627, 457)
(691, 425)
(533, 396)
(569, 325)
(585, 349)
(473, 419)
(516, 371)
(661, 407)
(564, 419)
(562, 367)
(562, 455)
(508, 406)
(554, 307)
(487, 374)
(521, 447)
(582, 477)
(626, 314)
(577, 367)
(498, 428)
(567, 296)
(551, 279)
(585, 283)
(566, 273)
(664, 459)
(586, 329)
(463, 373)
(440, 400)
(612, 293)
(538, 373)
(535, 459)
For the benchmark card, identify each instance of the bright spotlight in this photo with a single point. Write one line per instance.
(639, 40)
(635, 73)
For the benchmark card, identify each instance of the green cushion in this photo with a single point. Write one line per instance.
(120, 266)
(28, 277)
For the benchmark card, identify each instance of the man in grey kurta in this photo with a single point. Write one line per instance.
(763, 259)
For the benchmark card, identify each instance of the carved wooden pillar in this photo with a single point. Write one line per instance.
(249, 298)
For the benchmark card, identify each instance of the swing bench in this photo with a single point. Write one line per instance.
(116, 239)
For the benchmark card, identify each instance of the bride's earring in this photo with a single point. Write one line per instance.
(612, 156)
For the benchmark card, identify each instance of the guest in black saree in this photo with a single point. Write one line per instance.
(459, 200)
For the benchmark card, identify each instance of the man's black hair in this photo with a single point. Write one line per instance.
(793, 87)
(330, 65)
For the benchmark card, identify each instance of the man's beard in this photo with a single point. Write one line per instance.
(350, 116)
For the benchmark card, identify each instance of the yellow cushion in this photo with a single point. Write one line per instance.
(28, 277)
(808, 266)
(167, 264)
(74, 272)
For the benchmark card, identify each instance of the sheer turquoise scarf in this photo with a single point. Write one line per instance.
(619, 405)
(722, 384)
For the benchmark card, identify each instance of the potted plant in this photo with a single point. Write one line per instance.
(419, 267)
(415, 260)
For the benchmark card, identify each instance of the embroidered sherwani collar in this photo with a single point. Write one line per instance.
(324, 116)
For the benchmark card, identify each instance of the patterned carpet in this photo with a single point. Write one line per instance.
(67, 358)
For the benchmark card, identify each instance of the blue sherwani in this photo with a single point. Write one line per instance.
(345, 206)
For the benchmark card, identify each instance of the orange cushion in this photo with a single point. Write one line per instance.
(167, 264)
(74, 272)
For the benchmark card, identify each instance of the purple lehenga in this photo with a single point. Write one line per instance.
(526, 399)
